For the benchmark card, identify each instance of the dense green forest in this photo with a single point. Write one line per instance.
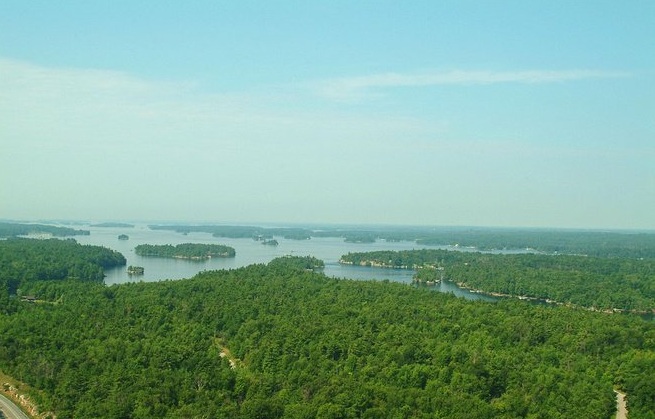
(307, 346)
(602, 283)
(406, 259)
(185, 250)
(297, 263)
(592, 243)
(599, 283)
(16, 229)
(281, 340)
(28, 260)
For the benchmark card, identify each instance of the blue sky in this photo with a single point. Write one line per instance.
(489, 113)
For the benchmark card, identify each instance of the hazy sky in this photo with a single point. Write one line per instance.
(484, 113)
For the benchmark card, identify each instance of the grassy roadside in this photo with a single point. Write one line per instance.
(21, 394)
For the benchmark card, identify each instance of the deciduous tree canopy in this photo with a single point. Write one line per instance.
(602, 283)
(279, 340)
(28, 260)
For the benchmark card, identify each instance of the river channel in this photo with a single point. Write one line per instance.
(248, 252)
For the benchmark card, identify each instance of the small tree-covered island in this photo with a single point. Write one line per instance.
(186, 251)
(135, 270)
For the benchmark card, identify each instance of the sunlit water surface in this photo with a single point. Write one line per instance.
(248, 252)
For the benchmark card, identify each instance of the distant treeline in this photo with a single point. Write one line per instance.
(113, 224)
(592, 243)
(185, 250)
(239, 232)
(603, 283)
(14, 229)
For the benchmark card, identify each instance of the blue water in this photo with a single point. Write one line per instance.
(250, 252)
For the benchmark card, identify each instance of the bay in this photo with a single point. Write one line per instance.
(248, 252)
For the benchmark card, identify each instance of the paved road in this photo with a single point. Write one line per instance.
(10, 410)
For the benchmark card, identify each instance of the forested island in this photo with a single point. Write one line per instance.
(594, 282)
(576, 242)
(135, 270)
(240, 232)
(113, 225)
(308, 263)
(185, 250)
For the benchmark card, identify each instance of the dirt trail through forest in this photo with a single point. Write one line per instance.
(225, 353)
(621, 406)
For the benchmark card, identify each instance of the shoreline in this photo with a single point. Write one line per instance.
(467, 287)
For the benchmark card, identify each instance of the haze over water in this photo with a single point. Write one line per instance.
(443, 113)
(248, 252)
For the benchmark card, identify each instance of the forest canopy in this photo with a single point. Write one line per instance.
(601, 283)
(28, 260)
(282, 340)
(270, 341)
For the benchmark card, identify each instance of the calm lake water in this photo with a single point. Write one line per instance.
(249, 252)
